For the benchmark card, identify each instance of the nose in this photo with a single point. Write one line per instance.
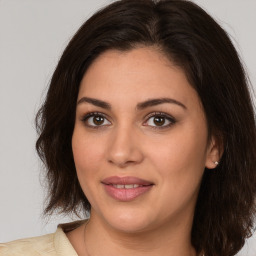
(124, 148)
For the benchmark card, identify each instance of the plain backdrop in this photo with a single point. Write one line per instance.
(33, 34)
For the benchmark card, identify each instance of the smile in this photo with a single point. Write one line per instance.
(126, 188)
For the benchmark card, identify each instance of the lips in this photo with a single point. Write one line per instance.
(126, 188)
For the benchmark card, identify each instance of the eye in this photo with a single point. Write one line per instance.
(95, 120)
(160, 120)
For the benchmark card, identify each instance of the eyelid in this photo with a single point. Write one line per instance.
(160, 114)
(89, 114)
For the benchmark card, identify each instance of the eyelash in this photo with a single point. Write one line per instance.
(154, 114)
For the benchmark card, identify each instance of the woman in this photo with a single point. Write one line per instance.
(148, 126)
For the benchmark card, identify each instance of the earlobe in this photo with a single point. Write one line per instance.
(214, 153)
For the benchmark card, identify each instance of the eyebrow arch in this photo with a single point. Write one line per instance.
(95, 102)
(154, 102)
(140, 106)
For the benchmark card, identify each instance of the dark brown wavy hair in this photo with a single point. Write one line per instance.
(192, 40)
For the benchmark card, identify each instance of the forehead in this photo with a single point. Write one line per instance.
(135, 74)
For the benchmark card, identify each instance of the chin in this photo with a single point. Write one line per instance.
(129, 221)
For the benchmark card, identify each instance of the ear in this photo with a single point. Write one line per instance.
(214, 153)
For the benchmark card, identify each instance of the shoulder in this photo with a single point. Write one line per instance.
(55, 244)
(35, 246)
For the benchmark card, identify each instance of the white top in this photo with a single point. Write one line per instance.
(55, 244)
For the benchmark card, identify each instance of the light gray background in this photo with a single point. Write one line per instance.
(33, 34)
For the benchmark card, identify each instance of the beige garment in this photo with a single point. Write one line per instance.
(55, 244)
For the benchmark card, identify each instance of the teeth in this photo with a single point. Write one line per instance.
(126, 186)
(119, 186)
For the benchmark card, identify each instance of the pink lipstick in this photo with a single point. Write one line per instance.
(126, 188)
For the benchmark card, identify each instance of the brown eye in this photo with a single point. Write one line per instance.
(95, 120)
(159, 121)
(98, 120)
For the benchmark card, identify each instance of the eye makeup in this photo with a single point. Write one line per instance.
(154, 120)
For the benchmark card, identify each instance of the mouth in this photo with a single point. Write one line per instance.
(126, 188)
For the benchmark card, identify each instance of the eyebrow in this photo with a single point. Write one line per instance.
(140, 106)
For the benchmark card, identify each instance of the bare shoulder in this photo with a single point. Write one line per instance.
(35, 246)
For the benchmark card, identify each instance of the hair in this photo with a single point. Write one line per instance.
(192, 40)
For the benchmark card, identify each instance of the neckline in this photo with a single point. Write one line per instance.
(62, 244)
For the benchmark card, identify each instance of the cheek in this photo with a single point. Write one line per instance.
(180, 165)
(181, 158)
(87, 154)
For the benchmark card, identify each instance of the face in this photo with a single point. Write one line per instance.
(140, 141)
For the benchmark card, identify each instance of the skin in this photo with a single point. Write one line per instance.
(130, 143)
